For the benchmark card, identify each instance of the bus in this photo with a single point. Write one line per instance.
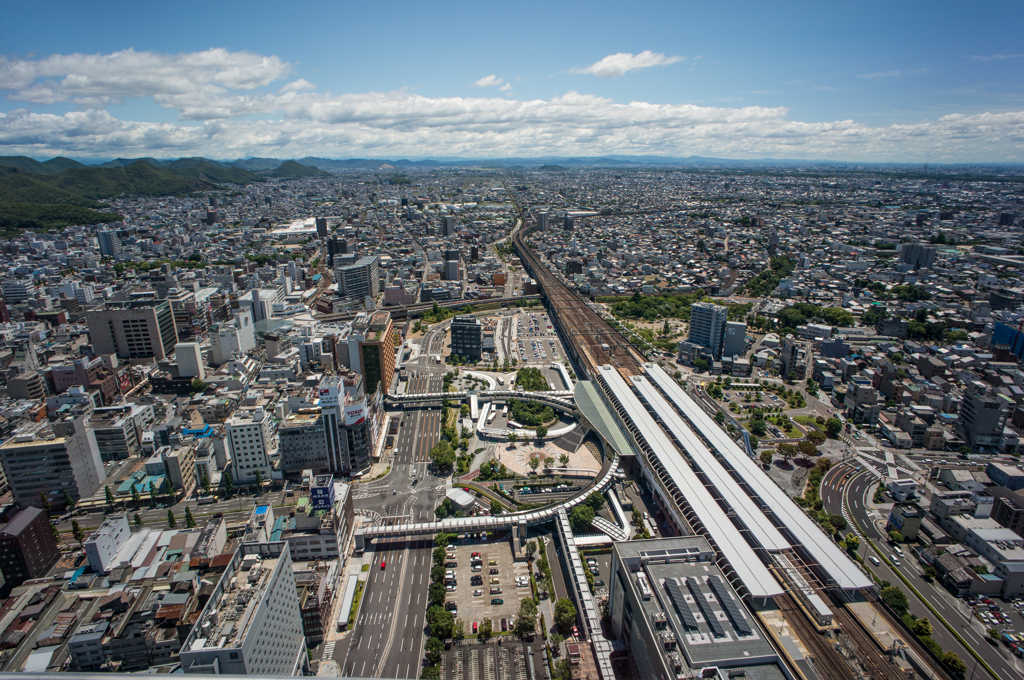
(501, 381)
(206, 500)
(504, 412)
(490, 418)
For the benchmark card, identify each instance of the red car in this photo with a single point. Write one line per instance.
(474, 628)
(383, 563)
(475, 555)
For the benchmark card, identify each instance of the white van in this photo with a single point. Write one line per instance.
(874, 560)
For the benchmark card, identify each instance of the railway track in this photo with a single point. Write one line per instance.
(593, 342)
(877, 663)
(827, 661)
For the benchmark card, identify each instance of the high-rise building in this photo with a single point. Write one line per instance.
(734, 342)
(28, 549)
(321, 227)
(467, 337)
(189, 356)
(133, 330)
(543, 220)
(707, 326)
(237, 336)
(360, 280)
(350, 422)
(918, 254)
(252, 624)
(65, 458)
(110, 244)
(447, 225)
(371, 350)
(981, 421)
(451, 270)
(303, 443)
(102, 546)
(251, 437)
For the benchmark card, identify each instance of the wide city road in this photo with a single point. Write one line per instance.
(843, 481)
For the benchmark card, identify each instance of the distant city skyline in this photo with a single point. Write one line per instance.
(867, 82)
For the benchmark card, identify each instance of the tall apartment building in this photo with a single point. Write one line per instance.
(918, 254)
(467, 337)
(981, 422)
(110, 244)
(28, 385)
(543, 220)
(27, 547)
(90, 374)
(251, 625)
(707, 326)
(65, 458)
(350, 419)
(251, 437)
(447, 225)
(191, 316)
(361, 279)
(371, 350)
(133, 330)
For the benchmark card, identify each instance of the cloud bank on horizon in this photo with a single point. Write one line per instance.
(236, 104)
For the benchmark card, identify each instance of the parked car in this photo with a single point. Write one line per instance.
(497, 600)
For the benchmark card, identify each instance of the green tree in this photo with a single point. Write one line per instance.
(922, 627)
(171, 522)
(565, 615)
(896, 599)
(766, 457)
(833, 427)
(436, 594)
(77, 533)
(459, 630)
(152, 493)
(496, 508)
(136, 496)
(531, 548)
(596, 501)
(205, 483)
(434, 649)
(440, 621)
(138, 520)
(485, 630)
(259, 482)
(556, 643)
(564, 459)
(541, 432)
(198, 385)
(189, 520)
(526, 618)
(852, 542)
(44, 501)
(439, 555)
(512, 437)
(954, 663)
(581, 517)
(69, 502)
(719, 417)
(563, 670)
(229, 487)
(895, 536)
(534, 463)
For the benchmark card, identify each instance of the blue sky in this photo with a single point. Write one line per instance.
(864, 81)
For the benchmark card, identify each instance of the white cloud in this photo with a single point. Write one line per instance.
(507, 87)
(994, 57)
(217, 104)
(615, 65)
(488, 81)
(95, 80)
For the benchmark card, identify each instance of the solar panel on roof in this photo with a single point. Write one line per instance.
(681, 605)
(731, 609)
(705, 607)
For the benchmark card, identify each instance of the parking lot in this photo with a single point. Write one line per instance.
(502, 659)
(601, 572)
(485, 583)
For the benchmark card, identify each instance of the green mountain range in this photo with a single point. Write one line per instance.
(293, 169)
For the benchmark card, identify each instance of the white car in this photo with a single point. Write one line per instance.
(477, 593)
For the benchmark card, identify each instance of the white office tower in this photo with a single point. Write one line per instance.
(250, 435)
(64, 458)
(707, 326)
(251, 625)
(189, 357)
(239, 335)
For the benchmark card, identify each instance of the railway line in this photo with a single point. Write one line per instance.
(827, 661)
(590, 339)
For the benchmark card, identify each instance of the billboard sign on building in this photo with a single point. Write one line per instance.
(328, 396)
(355, 414)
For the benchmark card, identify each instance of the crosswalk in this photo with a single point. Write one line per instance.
(329, 649)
